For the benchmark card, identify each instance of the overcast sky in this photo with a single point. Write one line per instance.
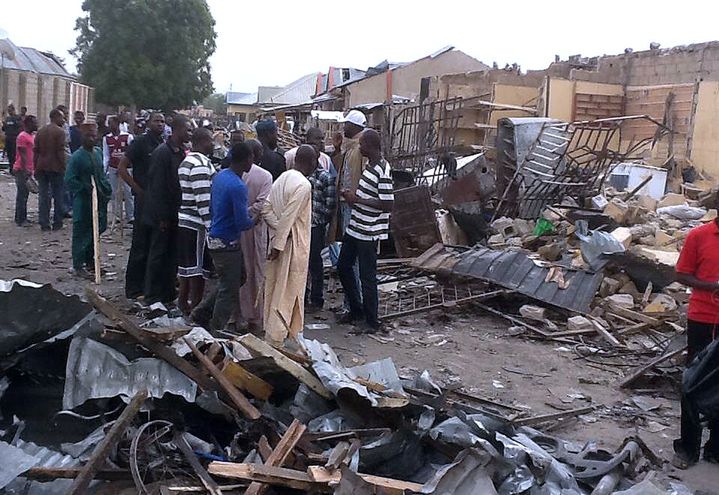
(274, 43)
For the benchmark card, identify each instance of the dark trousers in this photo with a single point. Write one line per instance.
(699, 336)
(10, 150)
(137, 259)
(365, 252)
(51, 187)
(161, 270)
(316, 268)
(223, 300)
(21, 197)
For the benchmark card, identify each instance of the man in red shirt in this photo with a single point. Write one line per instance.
(114, 144)
(698, 268)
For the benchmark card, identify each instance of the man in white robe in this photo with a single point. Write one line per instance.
(288, 213)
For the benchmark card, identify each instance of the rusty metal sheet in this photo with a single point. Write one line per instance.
(413, 222)
(513, 269)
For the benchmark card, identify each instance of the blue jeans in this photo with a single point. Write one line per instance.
(117, 182)
(52, 187)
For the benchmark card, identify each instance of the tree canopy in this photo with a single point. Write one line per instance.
(148, 53)
(216, 103)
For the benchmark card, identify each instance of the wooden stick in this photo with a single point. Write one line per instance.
(105, 307)
(244, 380)
(102, 450)
(634, 191)
(652, 364)
(291, 478)
(96, 232)
(238, 399)
(200, 471)
(279, 455)
(533, 420)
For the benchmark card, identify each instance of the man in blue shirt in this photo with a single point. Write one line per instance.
(230, 217)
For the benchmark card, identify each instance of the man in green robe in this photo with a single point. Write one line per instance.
(85, 164)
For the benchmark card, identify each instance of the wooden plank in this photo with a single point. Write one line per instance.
(388, 485)
(604, 333)
(263, 447)
(244, 380)
(50, 474)
(279, 455)
(652, 364)
(262, 348)
(267, 474)
(200, 471)
(102, 450)
(633, 315)
(162, 351)
(238, 399)
(337, 455)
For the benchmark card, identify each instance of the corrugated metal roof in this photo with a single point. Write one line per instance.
(235, 98)
(297, 92)
(31, 60)
(515, 270)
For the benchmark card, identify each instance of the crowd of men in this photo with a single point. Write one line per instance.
(257, 222)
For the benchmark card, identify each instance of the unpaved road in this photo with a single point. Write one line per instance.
(462, 348)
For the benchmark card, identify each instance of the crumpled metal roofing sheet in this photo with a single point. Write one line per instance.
(515, 270)
(95, 370)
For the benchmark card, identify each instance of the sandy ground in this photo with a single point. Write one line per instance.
(464, 348)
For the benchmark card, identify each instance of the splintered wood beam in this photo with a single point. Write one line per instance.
(280, 454)
(652, 364)
(245, 380)
(262, 348)
(160, 350)
(102, 450)
(238, 399)
(289, 478)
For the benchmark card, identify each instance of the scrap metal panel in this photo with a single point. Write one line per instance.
(413, 222)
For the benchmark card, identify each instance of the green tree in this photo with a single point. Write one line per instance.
(216, 103)
(148, 53)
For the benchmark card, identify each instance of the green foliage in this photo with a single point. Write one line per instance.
(148, 53)
(216, 103)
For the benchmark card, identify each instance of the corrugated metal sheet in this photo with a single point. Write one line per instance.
(30, 59)
(235, 98)
(513, 269)
(299, 91)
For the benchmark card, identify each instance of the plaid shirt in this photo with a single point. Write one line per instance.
(324, 197)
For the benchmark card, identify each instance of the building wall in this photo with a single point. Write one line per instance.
(406, 80)
(562, 98)
(704, 154)
(246, 112)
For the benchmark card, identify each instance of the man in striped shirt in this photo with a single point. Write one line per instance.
(369, 223)
(195, 174)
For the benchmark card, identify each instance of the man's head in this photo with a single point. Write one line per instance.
(57, 117)
(180, 129)
(62, 108)
(125, 117)
(257, 150)
(23, 111)
(306, 159)
(89, 135)
(79, 117)
(202, 141)
(11, 109)
(337, 140)
(267, 133)
(101, 119)
(236, 137)
(114, 124)
(29, 123)
(242, 157)
(315, 137)
(156, 124)
(370, 144)
(354, 123)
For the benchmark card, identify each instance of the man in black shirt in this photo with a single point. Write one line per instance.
(137, 157)
(162, 205)
(11, 128)
(272, 159)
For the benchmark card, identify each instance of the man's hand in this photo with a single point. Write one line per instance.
(274, 254)
(349, 196)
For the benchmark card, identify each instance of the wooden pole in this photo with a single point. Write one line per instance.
(102, 450)
(96, 232)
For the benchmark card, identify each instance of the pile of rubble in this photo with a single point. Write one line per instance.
(93, 401)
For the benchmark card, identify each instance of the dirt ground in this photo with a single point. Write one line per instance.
(462, 348)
